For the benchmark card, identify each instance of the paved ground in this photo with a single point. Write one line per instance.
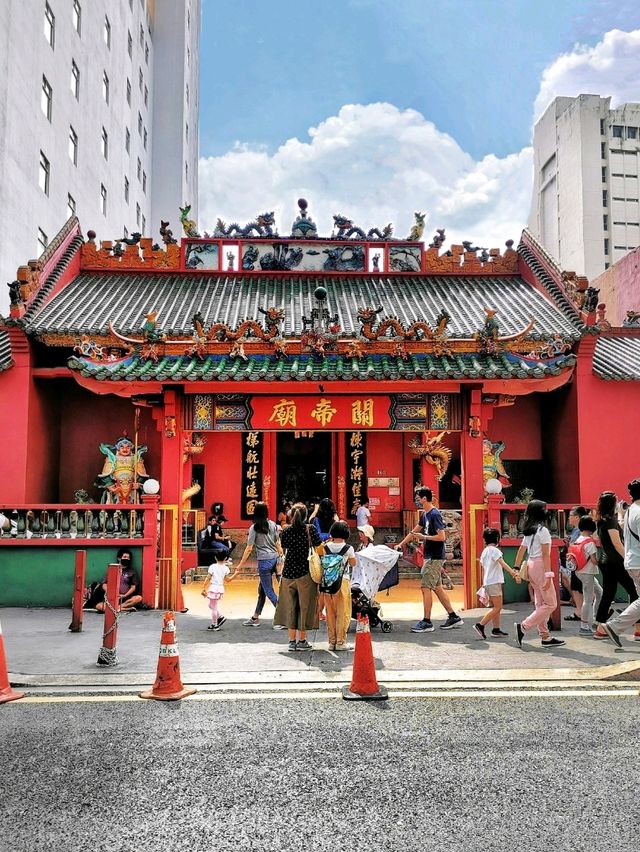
(41, 650)
(474, 773)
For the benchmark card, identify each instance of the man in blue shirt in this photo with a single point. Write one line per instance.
(430, 529)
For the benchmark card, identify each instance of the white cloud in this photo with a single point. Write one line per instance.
(376, 164)
(611, 68)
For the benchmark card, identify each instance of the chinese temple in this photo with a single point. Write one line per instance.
(256, 366)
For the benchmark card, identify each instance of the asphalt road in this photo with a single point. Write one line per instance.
(313, 772)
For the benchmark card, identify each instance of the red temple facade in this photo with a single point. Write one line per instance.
(258, 367)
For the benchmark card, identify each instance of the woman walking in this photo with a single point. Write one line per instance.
(612, 560)
(536, 542)
(263, 536)
(296, 608)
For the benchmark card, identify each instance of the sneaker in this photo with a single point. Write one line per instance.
(221, 620)
(342, 646)
(519, 633)
(213, 627)
(611, 633)
(251, 622)
(498, 633)
(552, 643)
(332, 647)
(423, 626)
(585, 630)
(479, 628)
(278, 627)
(303, 646)
(292, 646)
(452, 621)
(636, 637)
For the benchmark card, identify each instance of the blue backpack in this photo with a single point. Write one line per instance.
(333, 567)
(323, 535)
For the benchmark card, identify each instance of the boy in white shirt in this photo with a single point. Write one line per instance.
(582, 557)
(493, 568)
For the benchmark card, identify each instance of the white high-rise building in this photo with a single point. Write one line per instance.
(586, 201)
(98, 118)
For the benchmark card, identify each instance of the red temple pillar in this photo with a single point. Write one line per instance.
(169, 424)
(17, 385)
(472, 492)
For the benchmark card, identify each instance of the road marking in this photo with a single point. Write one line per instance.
(615, 692)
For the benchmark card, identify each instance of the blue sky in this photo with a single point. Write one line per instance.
(377, 109)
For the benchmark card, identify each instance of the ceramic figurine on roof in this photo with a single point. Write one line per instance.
(123, 471)
(188, 225)
(303, 226)
(590, 300)
(632, 319)
(166, 233)
(439, 238)
(347, 230)
(417, 230)
(262, 225)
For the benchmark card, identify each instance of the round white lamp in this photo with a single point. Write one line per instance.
(151, 486)
(493, 486)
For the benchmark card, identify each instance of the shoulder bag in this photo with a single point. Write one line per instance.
(315, 565)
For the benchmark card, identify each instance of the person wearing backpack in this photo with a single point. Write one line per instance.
(536, 543)
(338, 559)
(582, 558)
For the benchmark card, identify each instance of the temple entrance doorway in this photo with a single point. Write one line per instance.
(304, 466)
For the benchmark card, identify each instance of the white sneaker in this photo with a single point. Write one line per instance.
(251, 622)
(279, 627)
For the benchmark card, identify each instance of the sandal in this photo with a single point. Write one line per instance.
(573, 617)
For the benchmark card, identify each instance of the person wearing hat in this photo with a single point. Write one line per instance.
(366, 533)
(212, 538)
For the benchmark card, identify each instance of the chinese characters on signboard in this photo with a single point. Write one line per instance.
(251, 473)
(337, 412)
(356, 454)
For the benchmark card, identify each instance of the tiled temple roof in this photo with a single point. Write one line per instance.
(327, 368)
(88, 303)
(6, 360)
(617, 359)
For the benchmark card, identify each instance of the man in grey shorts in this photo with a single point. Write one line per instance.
(431, 530)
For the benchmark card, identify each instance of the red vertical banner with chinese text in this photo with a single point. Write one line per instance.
(251, 473)
(356, 459)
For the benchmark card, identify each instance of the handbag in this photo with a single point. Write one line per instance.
(315, 565)
(524, 571)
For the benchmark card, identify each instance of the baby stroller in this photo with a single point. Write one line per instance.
(376, 569)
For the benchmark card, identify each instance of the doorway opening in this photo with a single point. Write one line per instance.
(304, 467)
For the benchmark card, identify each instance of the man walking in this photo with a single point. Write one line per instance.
(431, 530)
(628, 617)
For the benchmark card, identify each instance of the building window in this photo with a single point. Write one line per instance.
(144, 182)
(128, 91)
(73, 146)
(632, 132)
(602, 127)
(141, 36)
(139, 169)
(188, 58)
(71, 206)
(139, 125)
(187, 92)
(105, 144)
(606, 246)
(44, 174)
(603, 151)
(138, 215)
(146, 96)
(140, 78)
(146, 53)
(143, 225)
(131, 5)
(604, 174)
(43, 241)
(49, 25)
(127, 141)
(77, 16)
(107, 32)
(105, 87)
(126, 231)
(188, 19)
(126, 189)
(46, 99)
(605, 222)
(129, 44)
(75, 80)
(144, 138)
(604, 198)
(616, 131)
(103, 199)
(186, 172)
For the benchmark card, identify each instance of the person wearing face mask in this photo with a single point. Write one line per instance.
(129, 596)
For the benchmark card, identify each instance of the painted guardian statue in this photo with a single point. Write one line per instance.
(123, 472)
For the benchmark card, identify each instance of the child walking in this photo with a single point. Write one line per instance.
(215, 578)
(337, 619)
(493, 568)
(583, 557)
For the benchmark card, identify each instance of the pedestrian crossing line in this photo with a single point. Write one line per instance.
(617, 692)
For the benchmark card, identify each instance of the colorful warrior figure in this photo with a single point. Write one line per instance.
(492, 467)
(123, 471)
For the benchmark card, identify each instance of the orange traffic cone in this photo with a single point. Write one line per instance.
(364, 686)
(168, 686)
(6, 692)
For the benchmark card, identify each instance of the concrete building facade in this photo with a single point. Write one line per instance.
(98, 118)
(586, 203)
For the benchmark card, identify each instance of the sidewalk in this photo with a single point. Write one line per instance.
(42, 652)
